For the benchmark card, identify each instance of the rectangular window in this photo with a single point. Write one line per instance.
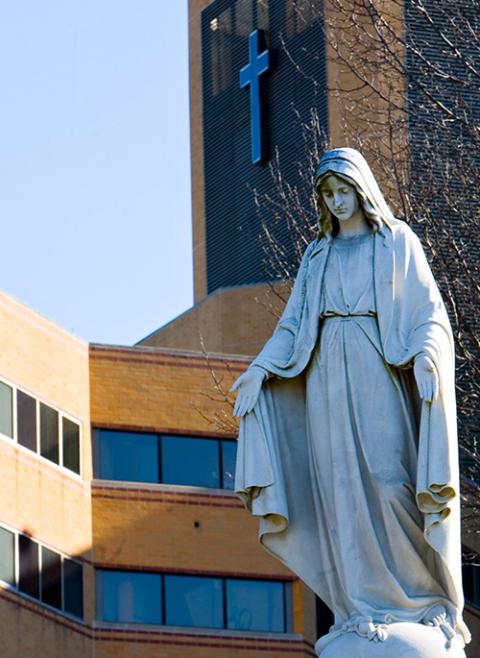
(139, 457)
(51, 578)
(28, 566)
(262, 15)
(49, 433)
(129, 597)
(221, 51)
(194, 601)
(254, 605)
(7, 556)
(73, 587)
(243, 17)
(6, 410)
(471, 584)
(128, 456)
(190, 461)
(26, 421)
(71, 445)
(229, 456)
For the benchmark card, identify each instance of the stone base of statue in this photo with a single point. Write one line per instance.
(398, 640)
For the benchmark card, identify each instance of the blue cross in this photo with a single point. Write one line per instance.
(250, 75)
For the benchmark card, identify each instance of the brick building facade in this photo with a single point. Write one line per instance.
(104, 554)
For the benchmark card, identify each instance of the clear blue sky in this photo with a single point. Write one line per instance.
(94, 163)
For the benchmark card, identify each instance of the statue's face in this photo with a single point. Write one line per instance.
(340, 198)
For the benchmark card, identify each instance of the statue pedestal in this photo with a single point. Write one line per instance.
(405, 640)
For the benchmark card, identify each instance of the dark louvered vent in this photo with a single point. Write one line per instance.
(233, 233)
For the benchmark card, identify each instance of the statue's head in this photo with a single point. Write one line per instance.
(346, 171)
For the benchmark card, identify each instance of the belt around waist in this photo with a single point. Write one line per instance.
(352, 314)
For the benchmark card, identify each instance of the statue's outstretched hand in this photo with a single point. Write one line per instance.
(249, 385)
(426, 377)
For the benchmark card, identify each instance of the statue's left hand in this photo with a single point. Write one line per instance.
(426, 377)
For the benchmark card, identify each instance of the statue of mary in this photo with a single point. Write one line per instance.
(347, 449)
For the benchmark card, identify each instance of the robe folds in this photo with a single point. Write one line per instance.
(273, 477)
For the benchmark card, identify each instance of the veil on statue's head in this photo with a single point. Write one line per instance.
(350, 165)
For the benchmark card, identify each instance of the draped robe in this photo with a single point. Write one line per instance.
(272, 476)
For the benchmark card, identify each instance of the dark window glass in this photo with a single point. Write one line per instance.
(129, 597)
(221, 51)
(471, 584)
(73, 587)
(194, 601)
(28, 566)
(127, 456)
(254, 605)
(243, 17)
(6, 410)
(190, 461)
(51, 578)
(229, 456)
(26, 421)
(7, 556)
(262, 14)
(71, 445)
(49, 433)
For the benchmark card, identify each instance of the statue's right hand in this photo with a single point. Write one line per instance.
(249, 385)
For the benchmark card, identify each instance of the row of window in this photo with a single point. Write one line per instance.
(144, 598)
(181, 460)
(156, 598)
(243, 16)
(195, 601)
(211, 602)
(230, 28)
(41, 573)
(40, 428)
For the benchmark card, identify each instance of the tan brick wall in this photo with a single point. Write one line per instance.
(41, 501)
(38, 498)
(160, 389)
(196, 147)
(178, 645)
(28, 629)
(229, 321)
(171, 530)
(154, 526)
(43, 358)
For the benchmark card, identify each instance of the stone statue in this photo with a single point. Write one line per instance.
(347, 448)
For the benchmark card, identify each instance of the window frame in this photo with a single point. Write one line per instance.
(61, 415)
(287, 603)
(49, 413)
(220, 441)
(180, 437)
(13, 411)
(63, 556)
